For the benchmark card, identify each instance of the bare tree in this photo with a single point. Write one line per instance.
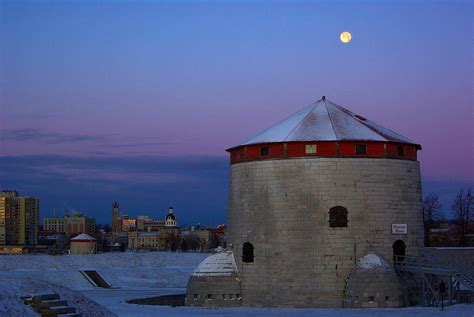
(463, 210)
(469, 206)
(431, 213)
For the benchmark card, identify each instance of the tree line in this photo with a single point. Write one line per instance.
(462, 211)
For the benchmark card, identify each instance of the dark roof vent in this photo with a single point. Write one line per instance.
(324, 98)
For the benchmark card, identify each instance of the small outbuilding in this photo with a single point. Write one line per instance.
(83, 244)
(373, 283)
(215, 283)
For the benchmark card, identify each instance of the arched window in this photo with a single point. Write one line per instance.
(338, 217)
(247, 252)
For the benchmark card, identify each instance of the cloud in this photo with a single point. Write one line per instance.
(47, 137)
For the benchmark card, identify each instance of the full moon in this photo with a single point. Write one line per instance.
(345, 37)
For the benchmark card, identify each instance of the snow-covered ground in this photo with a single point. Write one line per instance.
(141, 275)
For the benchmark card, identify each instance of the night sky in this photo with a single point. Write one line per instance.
(136, 101)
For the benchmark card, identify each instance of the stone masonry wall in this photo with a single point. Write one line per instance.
(281, 207)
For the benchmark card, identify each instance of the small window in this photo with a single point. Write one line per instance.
(231, 296)
(237, 295)
(224, 296)
(387, 298)
(247, 252)
(338, 217)
(209, 296)
(371, 298)
(310, 148)
(400, 150)
(264, 151)
(361, 149)
(195, 296)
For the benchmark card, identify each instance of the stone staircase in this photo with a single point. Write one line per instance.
(50, 305)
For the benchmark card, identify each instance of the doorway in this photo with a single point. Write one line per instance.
(398, 251)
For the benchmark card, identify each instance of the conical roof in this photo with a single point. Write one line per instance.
(83, 236)
(323, 120)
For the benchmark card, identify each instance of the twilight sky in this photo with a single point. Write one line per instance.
(136, 101)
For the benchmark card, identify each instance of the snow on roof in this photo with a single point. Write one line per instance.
(323, 120)
(371, 261)
(219, 264)
(83, 236)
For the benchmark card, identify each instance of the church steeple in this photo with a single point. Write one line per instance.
(170, 218)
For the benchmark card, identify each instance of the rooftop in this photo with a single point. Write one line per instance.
(324, 120)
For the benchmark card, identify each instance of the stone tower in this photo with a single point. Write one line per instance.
(116, 218)
(310, 197)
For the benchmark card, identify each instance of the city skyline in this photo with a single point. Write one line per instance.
(136, 102)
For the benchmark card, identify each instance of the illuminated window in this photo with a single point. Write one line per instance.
(361, 149)
(310, 148)
(338, 217)
(400, 150)
(264, 151)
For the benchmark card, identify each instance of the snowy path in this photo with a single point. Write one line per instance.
(141, 275)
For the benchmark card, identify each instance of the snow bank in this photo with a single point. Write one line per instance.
(371, 261)
(124, 270)
(12, 287)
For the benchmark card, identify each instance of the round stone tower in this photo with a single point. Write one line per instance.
(311, 196)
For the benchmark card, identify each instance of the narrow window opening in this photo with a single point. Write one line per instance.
(224, 296)
(338, 217)
(231, 296)
(387, 298)
(195, 296)
(361, 149)
(400, 150)
(209, 296)
(247, 252)
(264, 151)
(310, 148)
(371, 298)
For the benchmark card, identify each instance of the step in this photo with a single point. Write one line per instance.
(57, 310)
(53, 302)
(27, 300)
(40, 298)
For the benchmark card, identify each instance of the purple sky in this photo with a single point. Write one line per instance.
(136, 100)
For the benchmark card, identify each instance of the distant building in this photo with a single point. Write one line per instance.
(145, 223)
(83, 244)
(116, 218)
(70, 224)
(124, 223)
(19, 217)
(57, 225)
(128, 224)
(218, 236)
(170, 218)
(158, 240)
